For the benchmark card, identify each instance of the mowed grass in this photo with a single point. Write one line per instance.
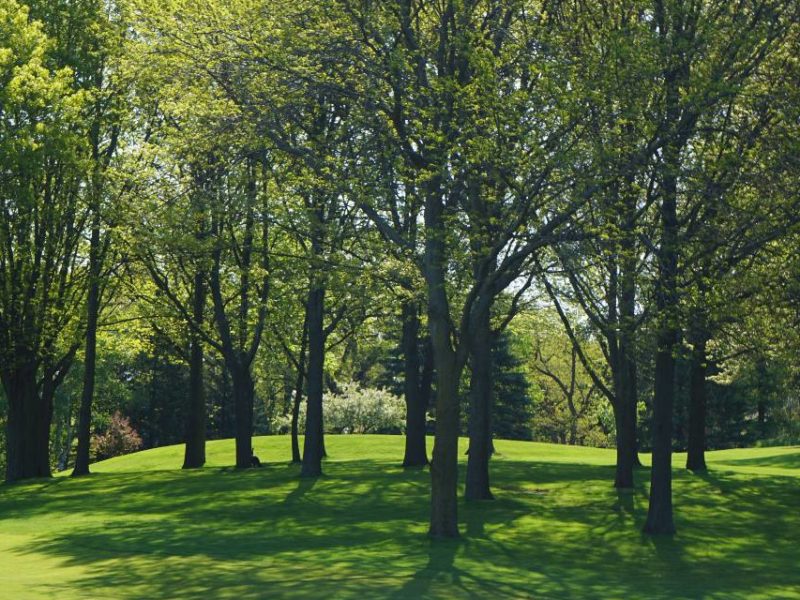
(139, 527)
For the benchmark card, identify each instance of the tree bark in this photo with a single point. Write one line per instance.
(695, 458)
(90, 358)
(312, 447)
(480, 430)
(449, 364)
(243, 397)
(28, 424)
(195, 451)
(444, 465)
(659, 515)
(416, 454)
(298, 393)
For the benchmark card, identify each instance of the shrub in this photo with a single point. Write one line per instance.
(119, 438)
(363, 410)
(355, 410)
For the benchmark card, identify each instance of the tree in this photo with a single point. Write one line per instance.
(43, 150)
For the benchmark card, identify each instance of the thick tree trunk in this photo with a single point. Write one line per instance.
(416, 454)
(696, 458)
(28, 425)
(444, 465)
(480, 430)
(195, 451)
(625, 419)
(624, 473)
(313, 443)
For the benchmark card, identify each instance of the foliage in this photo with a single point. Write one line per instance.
(513, 408)
(118, 438)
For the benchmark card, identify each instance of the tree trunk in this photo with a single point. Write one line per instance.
(195, 451)
(243, 397)
(695, 458)
(298, 392)
(444, 465)
(90, 358)
(624, 473)
(625, 419)
(659, 515)
(312, 447)
(416, 454)
(480, 430)
(28, 425)
(449, 363)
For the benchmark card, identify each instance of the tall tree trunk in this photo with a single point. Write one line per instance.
(90, 354)
(298, 392)
(627, 337)
(195, 451)
(312, 447)
(416, 454)
(659, 515)
(449, 365)
(480, 430)
(695, 458)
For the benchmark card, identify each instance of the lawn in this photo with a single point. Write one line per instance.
(141, 528)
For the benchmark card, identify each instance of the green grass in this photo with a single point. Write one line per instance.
(140, 528)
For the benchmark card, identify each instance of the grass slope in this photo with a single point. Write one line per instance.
(140, 528)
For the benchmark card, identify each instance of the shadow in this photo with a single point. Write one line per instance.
(555, 530)
(304, 485)
(783, 461)
(625, 503)
(440, 569)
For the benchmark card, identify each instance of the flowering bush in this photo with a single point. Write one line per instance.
(119, 438)
(355, 410)
(359, 410)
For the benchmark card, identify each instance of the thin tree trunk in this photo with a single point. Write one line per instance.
(312, 447)
(416, 454)
(480, 430)
(695, 458)
(90, 358)
(298, 392)
(195, 451)
(659, 515)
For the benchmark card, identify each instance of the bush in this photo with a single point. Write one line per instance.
(355, 410)
(119, 438)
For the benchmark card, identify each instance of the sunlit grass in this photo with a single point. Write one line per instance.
(141, 528)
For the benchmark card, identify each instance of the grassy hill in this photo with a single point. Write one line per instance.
(141, 528)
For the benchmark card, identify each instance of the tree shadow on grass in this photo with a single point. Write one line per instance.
(790, 460)
(555, 530)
